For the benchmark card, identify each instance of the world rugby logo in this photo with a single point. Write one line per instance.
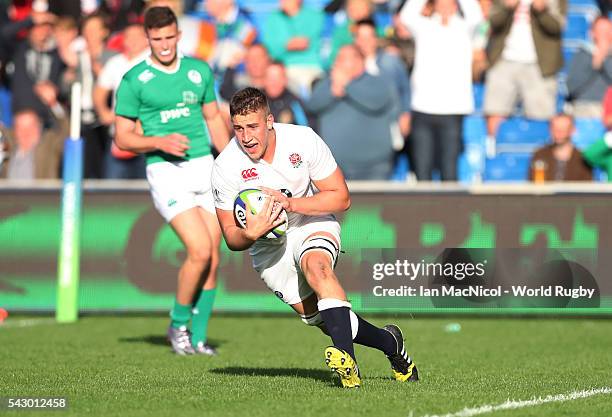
(194, 76)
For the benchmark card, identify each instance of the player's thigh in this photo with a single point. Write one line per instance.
(212, 225)
(539, 93)
(501, 91)
(279, 272)
(193, 232)
(169, 189)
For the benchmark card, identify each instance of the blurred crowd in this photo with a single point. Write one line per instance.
(379, 80)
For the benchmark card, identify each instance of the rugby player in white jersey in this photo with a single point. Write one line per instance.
(287, 162)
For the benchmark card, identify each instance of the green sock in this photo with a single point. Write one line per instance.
(201, 314)
(180, 314)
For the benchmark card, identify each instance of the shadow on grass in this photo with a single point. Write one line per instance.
(316, 374)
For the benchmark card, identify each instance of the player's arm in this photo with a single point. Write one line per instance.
(333, 197)
(128, 138)
(257, 225)
(216, 125)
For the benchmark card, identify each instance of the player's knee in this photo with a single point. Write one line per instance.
(199, 255)
(317, 268)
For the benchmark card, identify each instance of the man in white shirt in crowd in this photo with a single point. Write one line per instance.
(441, 81)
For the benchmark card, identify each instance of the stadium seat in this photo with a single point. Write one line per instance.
(518, 134)
(582, 3)
(478, 97)
(6, 116)
(587, 132)
(600, 175)
(471, 164)
(507, 167)
(577, 27)
(400, 170)
(474, 130)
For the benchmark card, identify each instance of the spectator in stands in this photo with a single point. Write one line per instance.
(441, 81)
(525, 56)
(232, 32)
(292, 36)
(12, 29)
(390, 67)
(285, 106)
(559, 161)
(343, 33)
(400, 41)
(72, 9)
(590, 71)
(121, 13)
(355, 110)
(65, 31)
(92, 55)
(256, 61)
(607, 109)
(34, 152)
(480, 62)
(605, 7)
(118, 163)
(36, 70)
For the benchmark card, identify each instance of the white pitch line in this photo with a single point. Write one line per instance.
(25, 322)
(510, 404)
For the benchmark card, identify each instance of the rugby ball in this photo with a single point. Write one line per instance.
(253, 199)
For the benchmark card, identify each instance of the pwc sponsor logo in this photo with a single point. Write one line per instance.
(249, 174)
(172, 114)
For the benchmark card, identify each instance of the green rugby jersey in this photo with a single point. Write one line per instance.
(169, 102)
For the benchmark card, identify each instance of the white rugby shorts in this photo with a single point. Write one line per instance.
(179, 186)
(279, 265)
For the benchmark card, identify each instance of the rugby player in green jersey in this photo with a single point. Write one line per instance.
(166, 108)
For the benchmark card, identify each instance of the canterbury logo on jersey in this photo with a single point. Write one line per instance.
(249, 174)
(145, 76)
(177, 113)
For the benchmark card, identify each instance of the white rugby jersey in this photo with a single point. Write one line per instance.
(300, 157)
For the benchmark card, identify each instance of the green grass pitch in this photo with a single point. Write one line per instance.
(273, 366)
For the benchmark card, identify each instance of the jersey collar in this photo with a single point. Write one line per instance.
(179, 57)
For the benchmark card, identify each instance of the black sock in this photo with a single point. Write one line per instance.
(372, 336)
(338, 323)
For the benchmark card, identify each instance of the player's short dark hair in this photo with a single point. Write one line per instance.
(248, 100)
(368, 21)
(159, 17)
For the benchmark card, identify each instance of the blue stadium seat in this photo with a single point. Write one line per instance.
(471, 163)
(507, 167)
(518, 134)
(587, 132)
(582, 4)
(474, 130)
(600, 175)
(479, 90)
(6, 116)
(401, 168)
(577, 27)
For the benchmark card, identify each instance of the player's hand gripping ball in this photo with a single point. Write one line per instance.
(253, 200)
